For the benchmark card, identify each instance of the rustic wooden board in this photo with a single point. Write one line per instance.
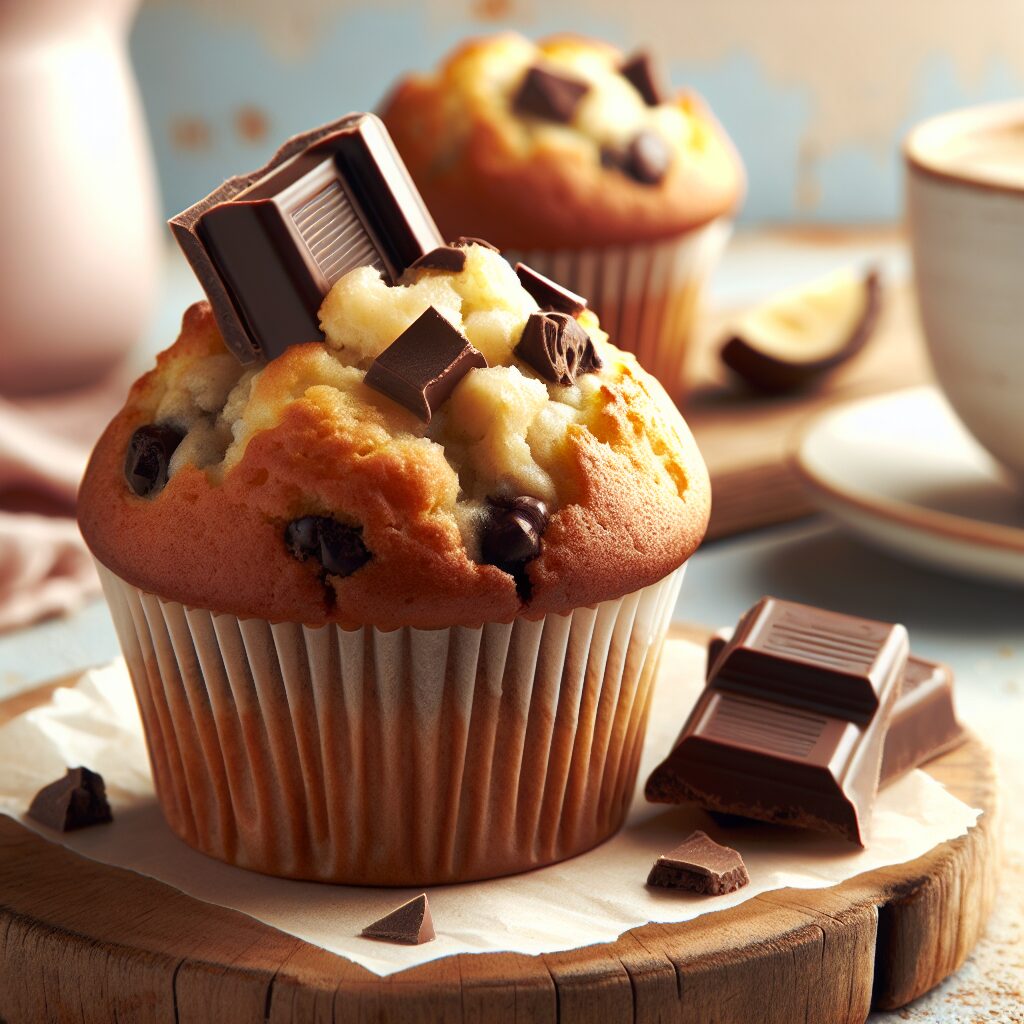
(83, 942)
(746, 438)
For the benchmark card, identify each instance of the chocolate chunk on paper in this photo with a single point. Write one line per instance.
(557, 347)
(148, 457)
(76, 801)
(639, 72)
(548, 294)
(267, 246)
(701, 865)
(409, 925)
(791, 725)
(549, 95)
(421, 368)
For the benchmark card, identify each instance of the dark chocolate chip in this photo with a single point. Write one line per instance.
(445, 257)
(149, 454)
(463, 240)
(646, 159)
(512, 536)
(549, 95)
(76, 801)
(640, 74)
(548, 294)
(422, 366)
(557, 347)
(337, 547)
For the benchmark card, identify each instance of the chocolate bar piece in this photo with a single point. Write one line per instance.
(923, 724)
(78, 800)
(791, 725)
(422, 366)
(548, 95)
(640, 74)
(548, 294)
(699, 864)
(410, 925)
(268, 245)
(557, 347)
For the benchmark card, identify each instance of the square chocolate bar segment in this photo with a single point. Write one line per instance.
(267, 246)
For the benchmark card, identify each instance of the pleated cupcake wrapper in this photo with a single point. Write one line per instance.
(647, 296)
(409, 757)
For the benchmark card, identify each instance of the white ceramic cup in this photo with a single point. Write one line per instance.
(965, 205)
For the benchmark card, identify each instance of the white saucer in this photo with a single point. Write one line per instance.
(901, 471)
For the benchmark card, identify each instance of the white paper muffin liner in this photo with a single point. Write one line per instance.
(646, 295)
(409, 757)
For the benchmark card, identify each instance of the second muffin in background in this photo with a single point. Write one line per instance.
(567, 156)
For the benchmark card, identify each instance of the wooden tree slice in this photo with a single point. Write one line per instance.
(83, 942)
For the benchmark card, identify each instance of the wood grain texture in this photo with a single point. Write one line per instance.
(82, 942)
(747, 439)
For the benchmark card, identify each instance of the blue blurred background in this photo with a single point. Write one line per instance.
(816, 96)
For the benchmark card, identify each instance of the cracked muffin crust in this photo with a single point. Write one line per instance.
(557, 144)
(296, 492)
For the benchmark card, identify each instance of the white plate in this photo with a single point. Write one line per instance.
(902, 472)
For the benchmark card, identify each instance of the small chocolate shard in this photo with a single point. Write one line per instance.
(512, 536)
(548, 294)
(463, 240)
(410, 925)
(701, 865)
(444, 257)
(339, 548)
(421, 368)
(148, 457)
(639, 72)
(549, 95)
(557, 347)
(267, 246)
(76, 801)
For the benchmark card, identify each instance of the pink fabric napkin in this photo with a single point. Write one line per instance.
(45, 568)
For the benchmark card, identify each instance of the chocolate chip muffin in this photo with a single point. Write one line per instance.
(392, 602)
(572, 156)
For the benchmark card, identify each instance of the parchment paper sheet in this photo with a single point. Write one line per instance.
(592, 898)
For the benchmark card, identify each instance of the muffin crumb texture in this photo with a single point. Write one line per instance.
(295, 491)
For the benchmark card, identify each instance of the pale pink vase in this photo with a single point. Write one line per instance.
(79, 219)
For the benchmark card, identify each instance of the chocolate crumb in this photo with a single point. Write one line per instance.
(548, 95)
(148, 457)
(78, 800)
(411, 924)
(337, 547)
(700, 865)
(557, 347)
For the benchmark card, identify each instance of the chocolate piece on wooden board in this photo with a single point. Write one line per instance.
(700, 865)
(791, 725)
(77, 800)
(549, 95)
(267, 246)
(409, 925)
(548, 294)
(923, 723)
(639, 72)
(422, 366)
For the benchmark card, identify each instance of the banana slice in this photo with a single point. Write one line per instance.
(795, 338)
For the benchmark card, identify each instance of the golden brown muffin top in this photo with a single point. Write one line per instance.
(304, 439)
(488, 165)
